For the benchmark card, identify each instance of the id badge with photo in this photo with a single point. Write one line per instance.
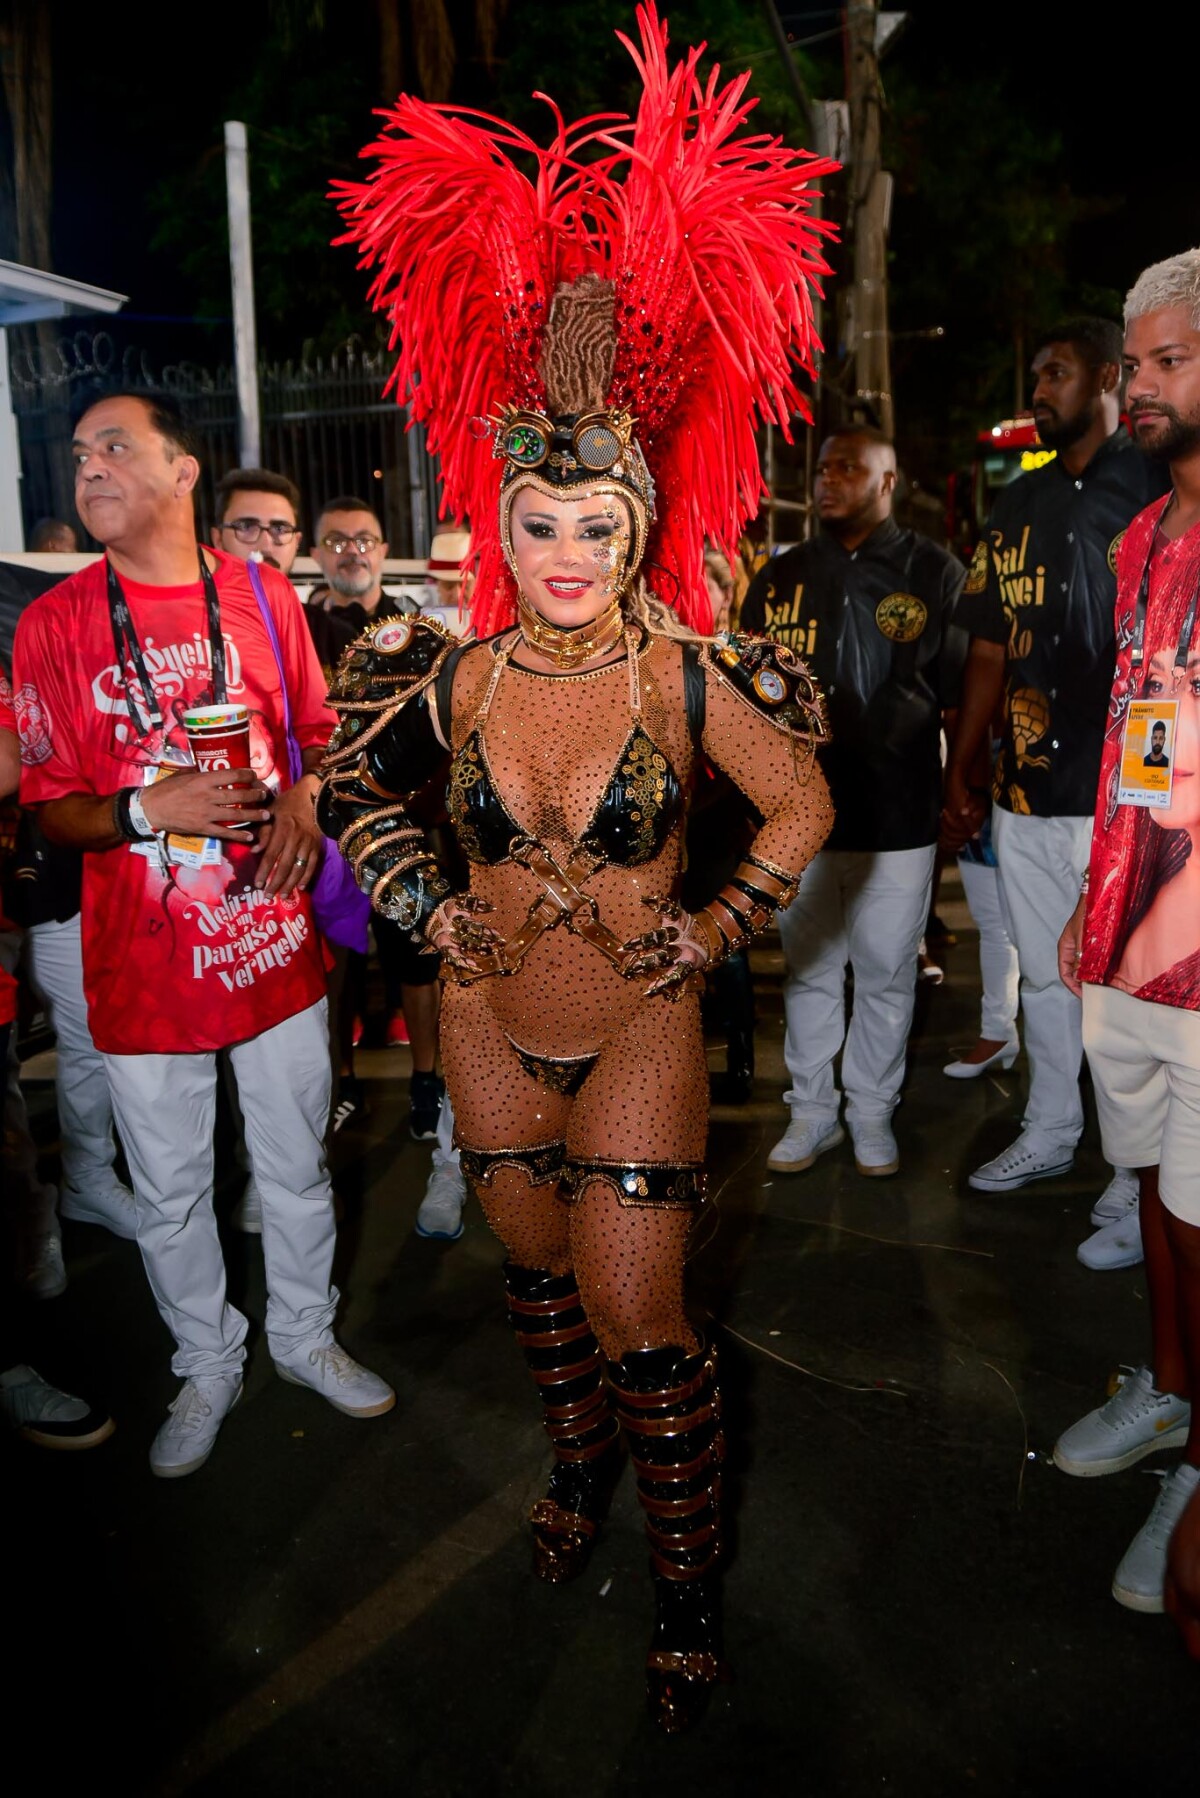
(1148, 753)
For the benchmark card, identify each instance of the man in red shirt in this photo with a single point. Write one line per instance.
(197, 945)
(1132, 948)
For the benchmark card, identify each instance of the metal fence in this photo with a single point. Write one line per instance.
(325, 424)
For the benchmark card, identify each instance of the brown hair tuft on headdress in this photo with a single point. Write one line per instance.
(580, 346)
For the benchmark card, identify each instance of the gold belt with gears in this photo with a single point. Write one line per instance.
(562, 901)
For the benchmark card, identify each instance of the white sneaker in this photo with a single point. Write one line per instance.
(1137, 1420)
(247, 1213)
(333, 1373)
(1139, 1580)
(875, 1150)
(1023, 1161)
(43, 1273)
(1116, 1245)
(186, 1440)
(801, 1143)
(111, 1208)
(41, 1413)
(1118, 1198)
(441, 1210)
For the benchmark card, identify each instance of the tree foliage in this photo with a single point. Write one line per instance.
(980, 245)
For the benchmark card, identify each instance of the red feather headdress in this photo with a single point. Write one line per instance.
(709, 239)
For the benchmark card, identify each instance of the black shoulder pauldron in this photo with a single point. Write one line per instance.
(384, 670)
(772, 679)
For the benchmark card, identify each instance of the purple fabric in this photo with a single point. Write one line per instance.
(340, 909)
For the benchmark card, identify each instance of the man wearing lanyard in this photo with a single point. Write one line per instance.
(186, 953)
(871, 608)
(1038, 603)
(1131, 950)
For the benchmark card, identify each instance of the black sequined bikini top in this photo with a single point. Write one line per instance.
(638, 810)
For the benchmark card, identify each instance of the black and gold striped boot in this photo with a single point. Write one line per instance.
(564, 1359)
(670, 1410)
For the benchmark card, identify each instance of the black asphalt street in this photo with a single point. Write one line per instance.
(918, 1602)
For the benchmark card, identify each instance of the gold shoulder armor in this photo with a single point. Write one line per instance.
(383, 669)
(772, 679)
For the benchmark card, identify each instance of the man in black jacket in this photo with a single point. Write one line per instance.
(1039, 608)
(870, 607)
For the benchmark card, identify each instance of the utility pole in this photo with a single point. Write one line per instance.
(241, 268)
(868, 210)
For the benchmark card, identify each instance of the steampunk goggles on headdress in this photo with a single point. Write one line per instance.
(571, 448)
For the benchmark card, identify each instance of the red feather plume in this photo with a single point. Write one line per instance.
(712, 245)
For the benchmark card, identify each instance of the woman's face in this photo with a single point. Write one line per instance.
(1183, 813)
(570, 554)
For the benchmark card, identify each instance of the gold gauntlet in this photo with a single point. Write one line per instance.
(744, 907)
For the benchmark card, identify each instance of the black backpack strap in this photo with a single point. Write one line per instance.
(443, 688)
(695, 695)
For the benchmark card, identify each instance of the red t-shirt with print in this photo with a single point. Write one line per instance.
(1142, 925)
(175, 960)
(8, 721)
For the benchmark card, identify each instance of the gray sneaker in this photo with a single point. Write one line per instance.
(801, 1143)
(186, 1440)
(43, 1414)
(247, 1213)
(1138, 1581)
(441, 1210)
(43, 1272)
(1137, 1420)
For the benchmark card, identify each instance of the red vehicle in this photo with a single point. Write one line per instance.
(1002, 452)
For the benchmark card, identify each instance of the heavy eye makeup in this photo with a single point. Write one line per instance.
(598, 531)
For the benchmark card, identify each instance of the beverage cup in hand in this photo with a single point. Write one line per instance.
(218, 737)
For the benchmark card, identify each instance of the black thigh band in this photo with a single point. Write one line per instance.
(660, 1185)
(541, 1164)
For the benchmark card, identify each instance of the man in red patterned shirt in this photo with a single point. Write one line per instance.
(1132, 947)
(192, 949)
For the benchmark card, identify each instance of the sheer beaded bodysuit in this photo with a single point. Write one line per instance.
(564, 1059)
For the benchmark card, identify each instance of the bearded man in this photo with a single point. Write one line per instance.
(1039, 606)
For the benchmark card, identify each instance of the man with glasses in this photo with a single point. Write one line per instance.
(187, 950)
(258, 510)
(351, 549)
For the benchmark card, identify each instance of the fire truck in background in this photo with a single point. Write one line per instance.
(1002, 452)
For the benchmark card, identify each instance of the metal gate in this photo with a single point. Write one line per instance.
(325, 424)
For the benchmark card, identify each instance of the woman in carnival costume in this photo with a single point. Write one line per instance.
(589, 352)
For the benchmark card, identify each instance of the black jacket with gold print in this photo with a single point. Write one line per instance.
(878, 628)
(1043, 583)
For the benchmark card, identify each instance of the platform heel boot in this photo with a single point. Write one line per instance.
(669, 1407)
(564, 1358)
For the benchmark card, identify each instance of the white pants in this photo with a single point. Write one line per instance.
(997, 957)
(869, 910)
(26, 1200)
(1145, 1062)
(165, 1107)
(1041, 863)
(444, 1152)
(85, 1118)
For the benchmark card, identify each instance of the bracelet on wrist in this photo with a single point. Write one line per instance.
(1083, 883)
(129, 817)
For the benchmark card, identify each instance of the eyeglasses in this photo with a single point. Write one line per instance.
(364, 543)
(249, 530)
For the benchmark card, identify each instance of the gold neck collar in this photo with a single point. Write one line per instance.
(568, 649)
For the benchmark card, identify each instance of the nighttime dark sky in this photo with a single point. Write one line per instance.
(1123, 105)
